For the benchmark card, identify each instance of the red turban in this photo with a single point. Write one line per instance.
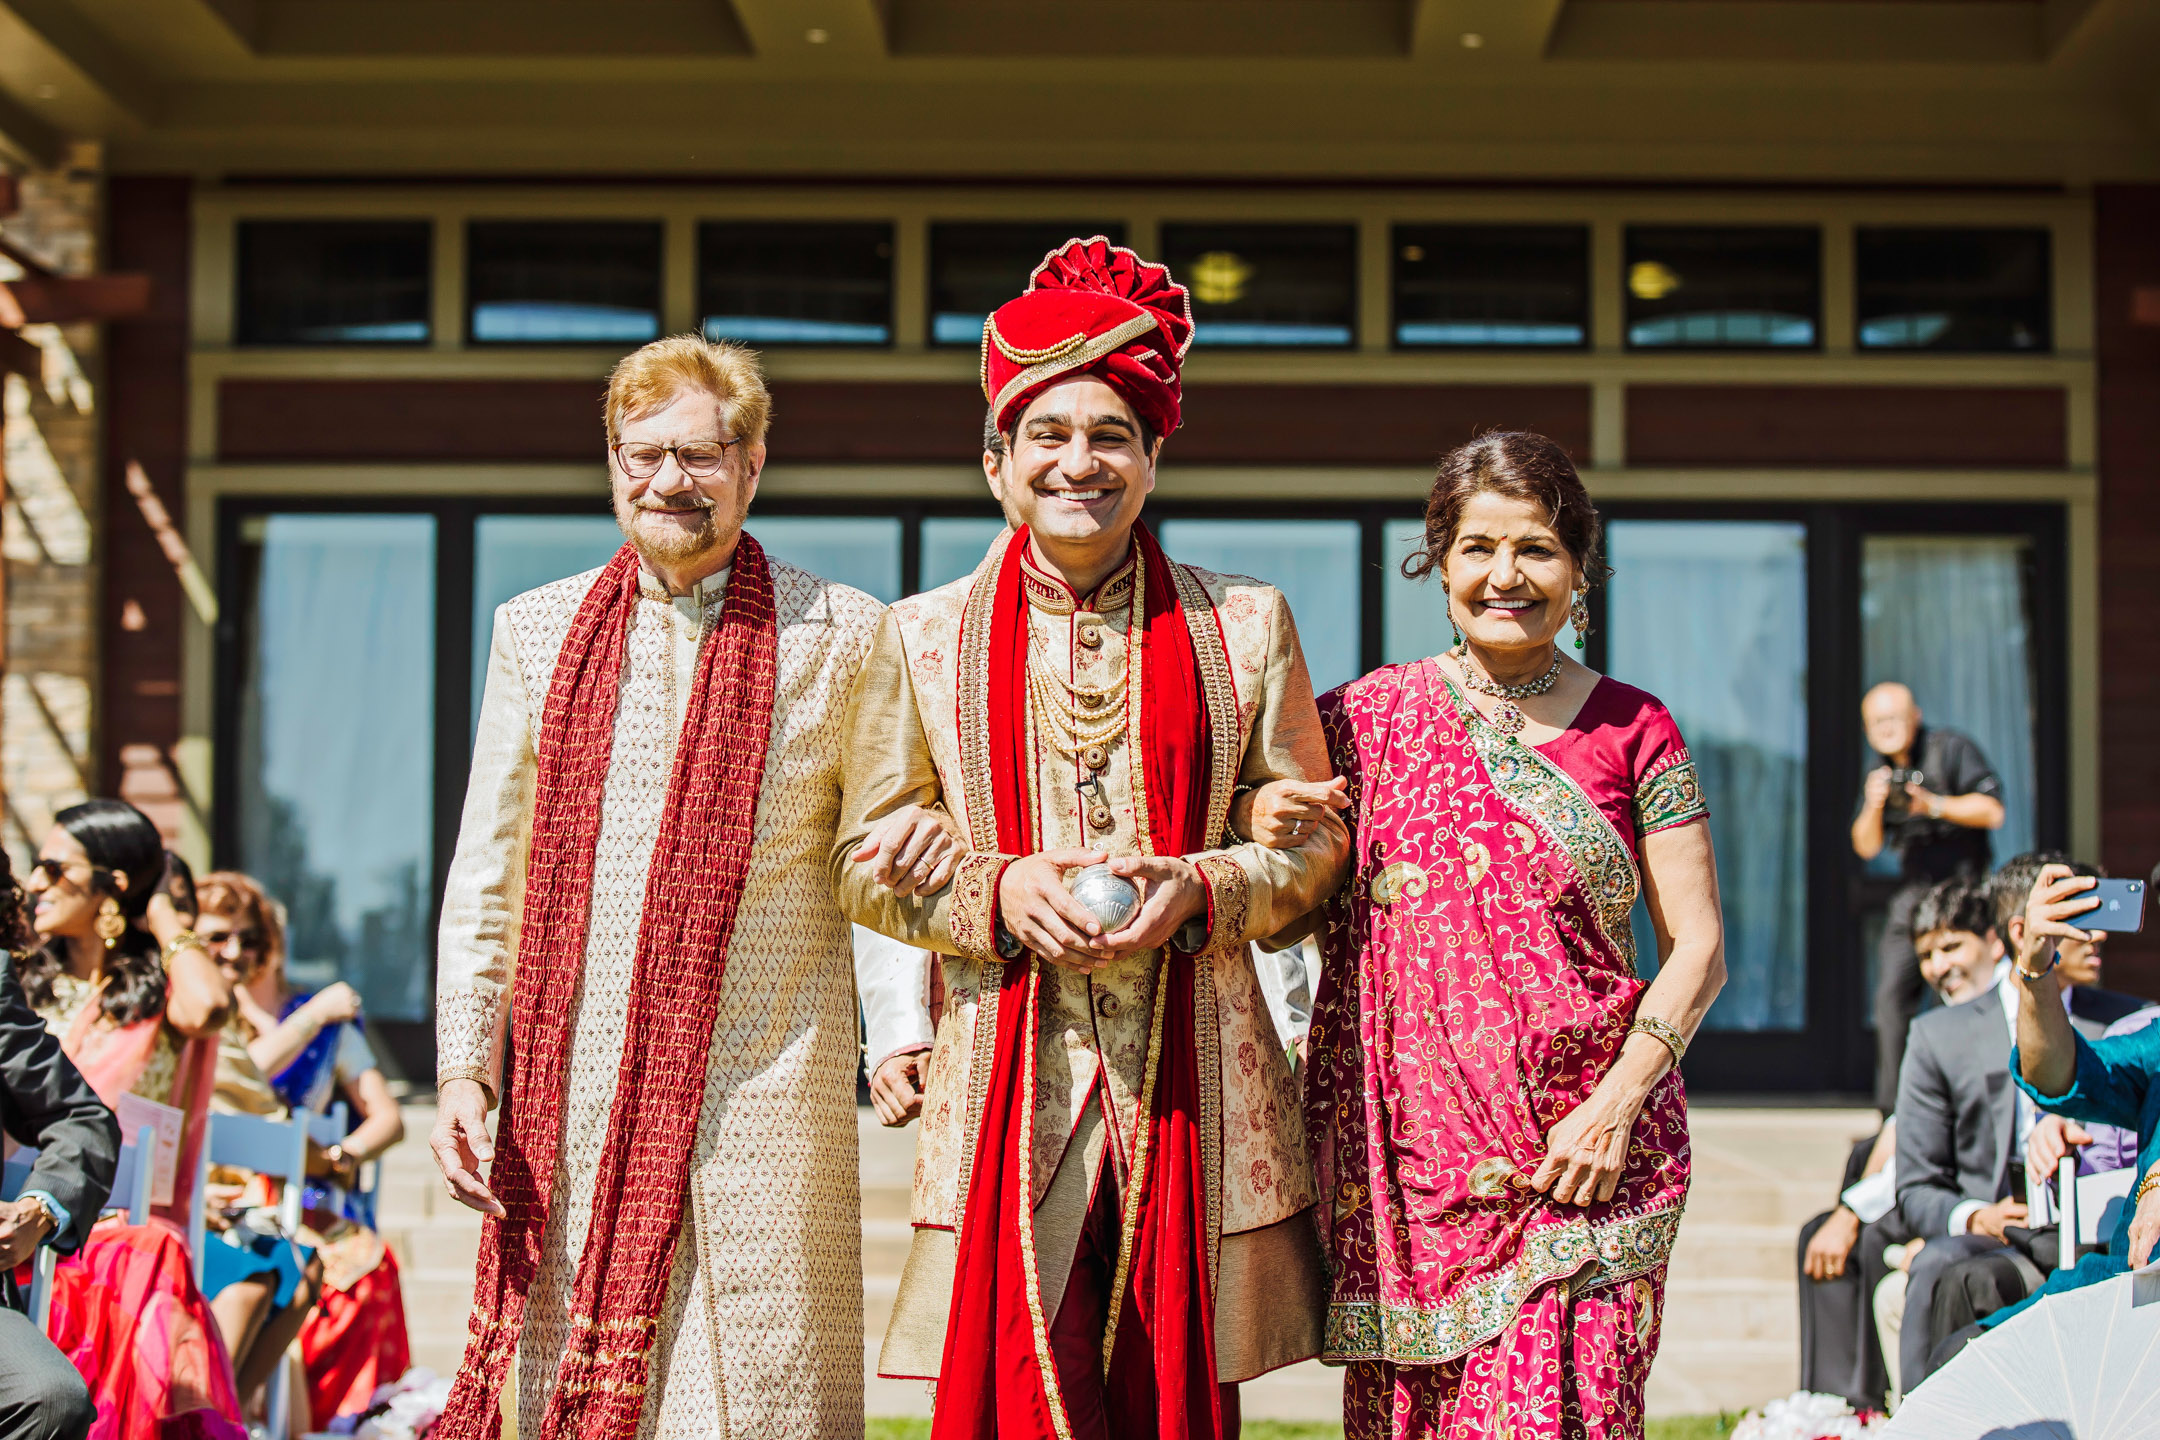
(1091, 308)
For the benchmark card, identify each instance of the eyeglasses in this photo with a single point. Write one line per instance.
(247, 942)
(697, 458)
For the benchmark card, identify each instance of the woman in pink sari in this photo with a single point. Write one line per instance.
(1499, 1124)
(137, 1003)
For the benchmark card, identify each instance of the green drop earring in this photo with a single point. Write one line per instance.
(1579, 615)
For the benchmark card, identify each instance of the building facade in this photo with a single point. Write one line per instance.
(1853, 327)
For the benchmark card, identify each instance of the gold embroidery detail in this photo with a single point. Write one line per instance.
(1219, 688)
(972, 682)
(1073, 359)
(1397, 880)
(1026, 1211)
(1019, 356)
(971, 914)
(1231, 895)
(1476, 861)
(1143, 1149)
(1645, 1308)
(1494, 1176)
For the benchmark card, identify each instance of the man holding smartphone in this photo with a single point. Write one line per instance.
(1930, 802)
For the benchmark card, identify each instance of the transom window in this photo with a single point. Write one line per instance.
(575, 282)
(1723, 287)
(1497, 285)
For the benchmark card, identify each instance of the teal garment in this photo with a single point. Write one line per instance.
(2117, 1083)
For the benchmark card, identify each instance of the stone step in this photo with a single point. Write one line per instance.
(1708, 1377)
(1712, 1249)
(1712, 1311)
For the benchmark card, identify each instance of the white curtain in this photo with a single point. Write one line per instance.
(1710, 616)
(1946, 615)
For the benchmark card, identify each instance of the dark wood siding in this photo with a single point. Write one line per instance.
(1979, 427)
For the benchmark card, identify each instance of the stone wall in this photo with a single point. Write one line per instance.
(48, 721)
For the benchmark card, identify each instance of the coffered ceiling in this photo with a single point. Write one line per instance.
(2047, 91)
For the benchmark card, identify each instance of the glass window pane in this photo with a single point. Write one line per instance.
(333, 282)
(1492, 284)
(953, 545)
(1710, 616)
(1267, 284)
(1953, 289)
(337, 724)
(516, 553)
(974, 268)
(1313, 562)
(1948, 616)
(576, 282)
(858, 550)
(1746, 287)
(790, 284)
(1414, 621)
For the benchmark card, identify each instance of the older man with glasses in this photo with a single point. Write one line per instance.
(639, 897)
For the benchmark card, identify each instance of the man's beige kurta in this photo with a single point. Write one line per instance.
(904, 748)
(761, 1331)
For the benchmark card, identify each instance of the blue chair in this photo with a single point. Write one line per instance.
(130, 1192)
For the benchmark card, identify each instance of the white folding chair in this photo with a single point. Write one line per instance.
(130, 1192)
(274, 1148)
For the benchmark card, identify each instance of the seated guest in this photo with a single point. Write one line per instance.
(2111, 1081)
(1959, 1174)
(352, 1331)
(137, 1005)
(1978, 1285)
(1842, 1261)
(44, 1103)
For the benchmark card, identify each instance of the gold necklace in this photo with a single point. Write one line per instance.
(1507, 716)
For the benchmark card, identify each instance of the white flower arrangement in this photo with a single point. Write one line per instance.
(1805, 1415)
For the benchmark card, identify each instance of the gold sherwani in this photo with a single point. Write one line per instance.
(904, 748)
(761, 1331)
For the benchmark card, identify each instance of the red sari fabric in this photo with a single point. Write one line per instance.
(997, 1377)
(699, 864)
(126, 1313)
(1478, 981)
(355, 1341)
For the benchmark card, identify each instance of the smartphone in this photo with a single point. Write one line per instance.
(2122, 906)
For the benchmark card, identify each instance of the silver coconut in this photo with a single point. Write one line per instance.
(1108, 896)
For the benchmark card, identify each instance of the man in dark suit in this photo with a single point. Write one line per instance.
(45, 1102)
(1961, 1124)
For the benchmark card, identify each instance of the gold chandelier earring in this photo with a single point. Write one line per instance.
(1579, 615)
(110, 923)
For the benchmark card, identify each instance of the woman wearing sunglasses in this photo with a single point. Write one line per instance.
(137, 1003)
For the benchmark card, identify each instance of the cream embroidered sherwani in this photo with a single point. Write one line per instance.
(761, 1332)
(904, 748)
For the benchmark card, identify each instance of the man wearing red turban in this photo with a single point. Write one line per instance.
(1111, 1190)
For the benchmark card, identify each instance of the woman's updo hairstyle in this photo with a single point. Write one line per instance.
(1521, 465)
(117, 837)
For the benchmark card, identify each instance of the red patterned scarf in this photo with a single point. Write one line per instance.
(996, 1377)
(696, 881)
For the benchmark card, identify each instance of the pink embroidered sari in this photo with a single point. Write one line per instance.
(126, 1310)
(1479, 979)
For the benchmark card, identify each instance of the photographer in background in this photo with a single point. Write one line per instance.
(1930, 802)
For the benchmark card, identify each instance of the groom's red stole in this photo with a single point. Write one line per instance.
(997, 1377)
(699, 864)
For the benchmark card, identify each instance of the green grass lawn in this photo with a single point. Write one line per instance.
(1677, 1427)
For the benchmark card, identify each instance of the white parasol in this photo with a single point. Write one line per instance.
(2079, 1366)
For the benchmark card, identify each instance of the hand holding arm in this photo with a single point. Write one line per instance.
(912, 851)
(1280, 813)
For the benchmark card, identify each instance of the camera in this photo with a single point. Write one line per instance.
(1897, 802)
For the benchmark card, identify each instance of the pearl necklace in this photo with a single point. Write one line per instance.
(1507, 716)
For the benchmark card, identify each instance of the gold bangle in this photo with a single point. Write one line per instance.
(1665, 1034)
(184, 940)
(2150, 1183)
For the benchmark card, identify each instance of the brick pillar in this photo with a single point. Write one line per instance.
(2126, 268)
(142, 608)
(47, 538)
